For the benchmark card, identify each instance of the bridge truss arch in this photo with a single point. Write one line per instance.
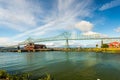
(66, 36)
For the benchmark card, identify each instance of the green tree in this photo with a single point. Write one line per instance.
(96, 45)
(104, 46)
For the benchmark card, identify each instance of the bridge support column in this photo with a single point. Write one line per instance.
(67, 44)
(101, 43)
(19, 51)
(34, 50)
(18, 47)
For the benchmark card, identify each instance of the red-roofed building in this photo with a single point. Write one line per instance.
(114, 45)
(32, 46)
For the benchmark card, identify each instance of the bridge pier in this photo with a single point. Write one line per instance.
(102, 43)
(19, 50)
(18, 47)
(34, 50)
(67, 44)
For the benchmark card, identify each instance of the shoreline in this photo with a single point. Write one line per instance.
(102, 50)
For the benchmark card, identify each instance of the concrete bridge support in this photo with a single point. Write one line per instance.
(67, 44)
(102, 43)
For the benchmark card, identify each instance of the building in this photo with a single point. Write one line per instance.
(114, 45)
(32, 46)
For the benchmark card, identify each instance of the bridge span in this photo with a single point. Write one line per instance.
(66, 36)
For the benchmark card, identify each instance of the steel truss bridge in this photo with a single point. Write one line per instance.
(66, 36)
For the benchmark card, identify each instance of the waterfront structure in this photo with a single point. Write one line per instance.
(32, 46)
(114, 45)
(67, 37)
(104, 46)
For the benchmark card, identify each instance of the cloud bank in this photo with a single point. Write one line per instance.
(33, 19)
(111, 4)
(86, 28)
(117, 29)
(60, 17)
(17, 14)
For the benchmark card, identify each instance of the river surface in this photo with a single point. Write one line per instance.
(64, 65)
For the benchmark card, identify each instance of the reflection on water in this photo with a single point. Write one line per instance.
(64, 65)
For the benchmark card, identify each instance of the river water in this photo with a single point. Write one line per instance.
(64, 65)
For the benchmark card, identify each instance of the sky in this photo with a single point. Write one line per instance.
(20, 19)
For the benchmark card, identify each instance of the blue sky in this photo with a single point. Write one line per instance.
(20, 19)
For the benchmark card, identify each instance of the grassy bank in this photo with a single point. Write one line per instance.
(24, 76)
(107, 50)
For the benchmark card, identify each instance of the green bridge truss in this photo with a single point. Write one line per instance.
(66, 36)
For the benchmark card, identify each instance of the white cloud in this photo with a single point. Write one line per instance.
(90, 33)
(6, 42)
(111, 4)
(84, 26)
(18, 13)
(3, 41)
(63, 16)
(117, 29)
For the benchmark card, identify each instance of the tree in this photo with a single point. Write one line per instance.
(104, 46)
(96, 45)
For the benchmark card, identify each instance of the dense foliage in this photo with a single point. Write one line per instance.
(104, 46)
(25, 76)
